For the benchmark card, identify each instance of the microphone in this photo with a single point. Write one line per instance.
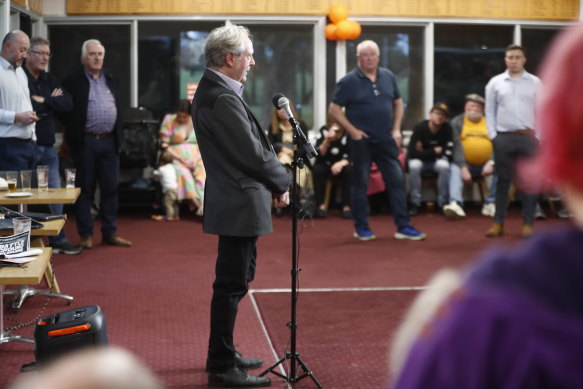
(281, 102)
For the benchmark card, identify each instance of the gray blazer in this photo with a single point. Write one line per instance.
(242, 170)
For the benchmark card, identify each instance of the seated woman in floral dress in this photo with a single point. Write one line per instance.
(177, 135)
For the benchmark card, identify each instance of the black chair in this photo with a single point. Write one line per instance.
(139, 152)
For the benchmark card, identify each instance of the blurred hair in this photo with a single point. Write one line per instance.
(224, 40)
(560, 110)
(275, 120)
(184, 106)
(367, 43)
(93, 368)
(86, 44)
(38, 41)
(515, 47)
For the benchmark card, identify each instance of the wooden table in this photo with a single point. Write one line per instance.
(50, 228)
(31, 274)
(50, 196)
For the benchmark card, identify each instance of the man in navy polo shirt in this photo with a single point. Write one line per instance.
(372, 117)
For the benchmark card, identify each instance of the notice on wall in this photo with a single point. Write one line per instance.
(560, 10)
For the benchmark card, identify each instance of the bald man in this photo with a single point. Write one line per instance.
(18, 149)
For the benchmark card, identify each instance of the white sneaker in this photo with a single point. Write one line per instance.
(454, 211)
(489, 209)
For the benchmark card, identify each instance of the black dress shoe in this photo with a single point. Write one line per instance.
(236, 378)
(247, 363)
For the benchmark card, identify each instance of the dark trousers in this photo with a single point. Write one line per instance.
(234, 270)
(17, 154)
(97, 162)
(508, 148)
(321, 173)
(385, 155)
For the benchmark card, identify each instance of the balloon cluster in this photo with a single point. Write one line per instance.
(341, 27)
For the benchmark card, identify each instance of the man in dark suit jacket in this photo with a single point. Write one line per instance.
(94, 134)
(244, 178)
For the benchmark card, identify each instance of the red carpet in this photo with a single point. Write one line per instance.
(342, 336)
(156, 294)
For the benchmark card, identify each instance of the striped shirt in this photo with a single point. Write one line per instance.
(101, 109)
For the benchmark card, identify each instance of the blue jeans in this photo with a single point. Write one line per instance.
(384, 154)
(416, 167)
(47, 156)
(456, 184)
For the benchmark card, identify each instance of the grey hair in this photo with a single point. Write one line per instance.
(223, 40)
(367, 43)
(38, 41)
(86, 45)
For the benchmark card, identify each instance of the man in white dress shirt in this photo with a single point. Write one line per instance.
(17, 147)
(510, 113)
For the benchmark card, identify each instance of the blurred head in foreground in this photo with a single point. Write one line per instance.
(95, 368)
(560, 117)
(514, 317)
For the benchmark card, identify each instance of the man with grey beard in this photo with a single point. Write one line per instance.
(467, 163)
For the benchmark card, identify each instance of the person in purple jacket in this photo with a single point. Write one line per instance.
(515, 318)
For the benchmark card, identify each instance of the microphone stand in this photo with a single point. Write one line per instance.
(301, 148)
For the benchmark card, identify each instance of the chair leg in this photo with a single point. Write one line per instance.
(327, 194)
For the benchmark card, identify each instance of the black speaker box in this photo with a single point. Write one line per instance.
(62, 332)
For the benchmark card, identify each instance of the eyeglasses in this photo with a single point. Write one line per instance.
(41, 53)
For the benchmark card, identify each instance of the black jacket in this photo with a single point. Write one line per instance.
(44, 86)
(77, 85)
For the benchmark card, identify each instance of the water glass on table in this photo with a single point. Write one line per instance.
(42, 177)
(25, 180)
(70, 178)
(20, 225)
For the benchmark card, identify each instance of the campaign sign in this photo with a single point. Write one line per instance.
(14, 244)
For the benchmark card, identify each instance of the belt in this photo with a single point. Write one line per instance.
(98, 136)
(18, 139)
(528, 131)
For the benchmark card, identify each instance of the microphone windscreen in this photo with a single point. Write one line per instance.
(275, 100)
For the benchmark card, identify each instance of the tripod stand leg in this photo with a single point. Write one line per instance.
(308, 373)
(271, 369)
(290, 378)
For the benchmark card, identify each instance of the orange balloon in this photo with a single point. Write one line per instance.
(356, 29)
(331, 32)
(344, 29)
(338, 13)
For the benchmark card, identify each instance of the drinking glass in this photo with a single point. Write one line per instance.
(25, 180)
(70, 178)
(12, 179)
(20, 225)
(42, 176)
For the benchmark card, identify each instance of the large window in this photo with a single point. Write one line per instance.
(401, 50)
(283, 64)
(536, 42)
(170, 56)
(66, 41)
(466, 57)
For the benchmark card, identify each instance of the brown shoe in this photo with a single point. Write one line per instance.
(86, 242)
(117, 241)
(527, 231)
(495, 231)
